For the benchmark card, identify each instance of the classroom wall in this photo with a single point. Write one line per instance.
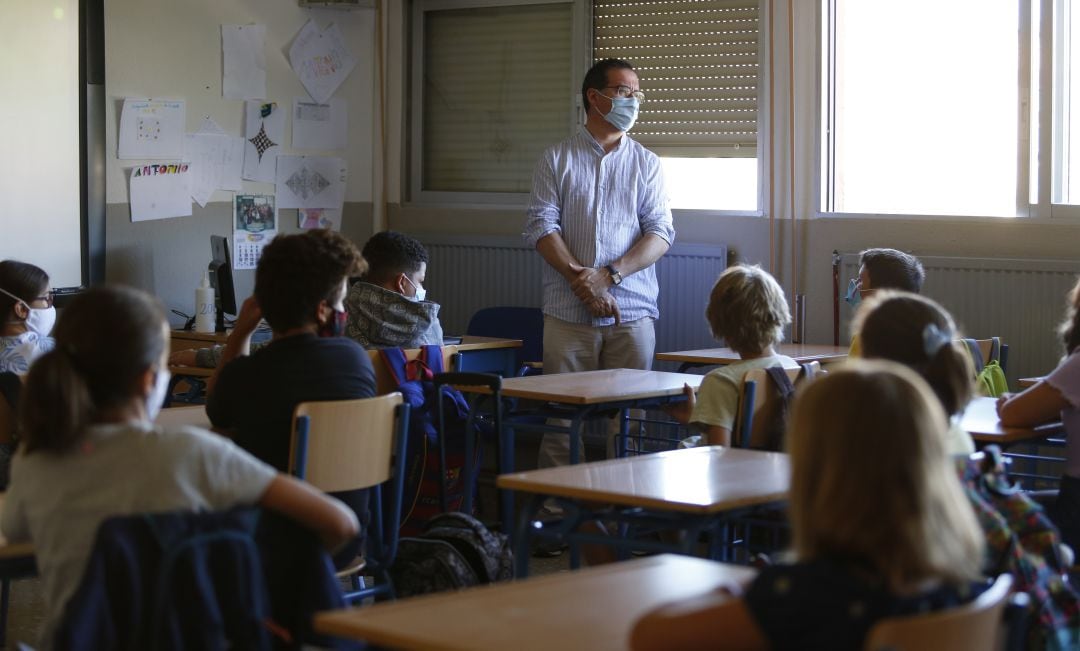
(157, 48)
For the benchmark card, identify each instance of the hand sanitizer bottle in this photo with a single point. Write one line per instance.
(204, 305)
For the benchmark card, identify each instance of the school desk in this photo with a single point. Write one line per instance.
(801, 353)
(593, 609)
(576, 398)
(980, 419)
(488, 355)
(691, 490)
(1026, 382)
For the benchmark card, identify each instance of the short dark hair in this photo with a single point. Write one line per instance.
(297, 272)
(892, 269)
(106, 338)
(21, 279)
(596, 77)
(389, 253)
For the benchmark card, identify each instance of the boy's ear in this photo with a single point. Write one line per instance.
(21, 310)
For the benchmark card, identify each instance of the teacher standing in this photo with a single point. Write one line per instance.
(599, 217)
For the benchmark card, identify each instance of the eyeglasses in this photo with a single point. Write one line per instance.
(48, 298)
(627, 92)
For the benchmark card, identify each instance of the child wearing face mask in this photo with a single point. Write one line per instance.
(388, 306)
(300, 284)
(90, 450)
(27, 304)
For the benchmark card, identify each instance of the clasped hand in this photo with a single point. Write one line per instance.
(591, 287)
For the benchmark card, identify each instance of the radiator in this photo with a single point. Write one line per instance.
(466, 274)
(1021, 301)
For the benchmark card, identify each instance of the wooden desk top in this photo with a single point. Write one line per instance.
(801, 353)
(194, 415)
(1026, 382)
(191, 371)
(593, 608)
(470, 342)
(205, 338)
(980, 419)
(699, 480)
(597, 387)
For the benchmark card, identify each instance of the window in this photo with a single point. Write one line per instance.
(698, 65)
(492, 88)
(921, 107)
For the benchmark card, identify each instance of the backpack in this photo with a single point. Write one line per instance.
(1021, 540)
(777, 417)
(989, 377)
(420, 498)
(455, 551)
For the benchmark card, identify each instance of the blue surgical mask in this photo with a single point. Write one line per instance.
(853, 296)
(623, 113)
(421, 293)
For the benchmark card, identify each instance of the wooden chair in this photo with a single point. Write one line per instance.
(988, 350)
(343, 445)
(384, 381)
(976, 626)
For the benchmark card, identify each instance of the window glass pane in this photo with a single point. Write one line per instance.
(925, 96)
(712, 183)
(1066, 171)
(495, 94)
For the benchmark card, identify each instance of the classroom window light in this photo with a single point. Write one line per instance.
(711, 183)
(921, 107)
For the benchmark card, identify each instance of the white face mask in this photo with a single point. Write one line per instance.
(41, 320)
(421, 293)
(156, 399)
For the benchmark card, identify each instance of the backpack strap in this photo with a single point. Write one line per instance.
(433, 358)
(995, 349)
(976, 354)
(779, 377)
(394, 359)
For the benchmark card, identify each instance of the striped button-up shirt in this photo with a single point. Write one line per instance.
(601, 205)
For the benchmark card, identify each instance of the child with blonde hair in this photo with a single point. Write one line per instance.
(747, 309)
(881, 526)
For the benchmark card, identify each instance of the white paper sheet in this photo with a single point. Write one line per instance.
(321, 60)
(264, 133)
(244, 75)
(328, 218)
(158, 191)
(254, 225)
(151, 128)
(311, 182)
(216, 161)
(320, 126)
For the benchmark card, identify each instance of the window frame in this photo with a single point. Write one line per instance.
(415, 147)
(823, 165)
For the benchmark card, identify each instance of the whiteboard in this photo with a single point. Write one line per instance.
(40, 161)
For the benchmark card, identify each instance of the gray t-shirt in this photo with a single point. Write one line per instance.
(58, 501)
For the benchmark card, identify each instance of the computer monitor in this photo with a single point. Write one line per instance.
(221, 279)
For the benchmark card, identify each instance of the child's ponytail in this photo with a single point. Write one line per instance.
(56, 405)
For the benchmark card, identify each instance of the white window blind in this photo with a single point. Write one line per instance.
(495, 88)
(697, 61)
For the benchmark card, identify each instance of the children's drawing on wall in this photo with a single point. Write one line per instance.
(327, 218)
(254, 225)
(310, 182)
(321, 60)
(244, 62)
(160, 190)
(320, 126)
(264, 132)
(151, 129)
(216, 160)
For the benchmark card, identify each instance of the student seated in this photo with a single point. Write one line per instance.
(300, 284)
(918, 333)
(883, 269)
(91, 450)
(881, 526)
(26, 301)
(387, 307)
(748, 311)
(1057, 396)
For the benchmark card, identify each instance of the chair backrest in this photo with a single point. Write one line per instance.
(10, 389)
(524, 323)
(988, 350)
(975, 626)
(341, 445)
(384, 380)
(759, 400)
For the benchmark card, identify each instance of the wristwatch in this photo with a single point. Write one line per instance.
(616, 277)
